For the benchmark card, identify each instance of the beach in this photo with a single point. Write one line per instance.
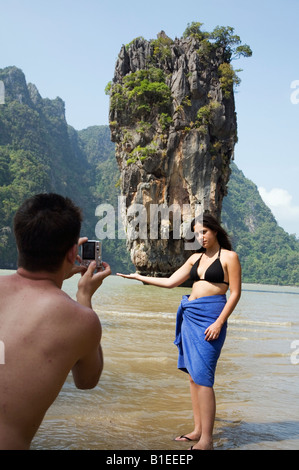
(142, 400)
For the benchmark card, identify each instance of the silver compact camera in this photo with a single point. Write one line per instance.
(91, 251)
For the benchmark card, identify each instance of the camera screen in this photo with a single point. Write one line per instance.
(88, 250)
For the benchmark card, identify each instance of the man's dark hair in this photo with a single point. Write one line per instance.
(46, 226)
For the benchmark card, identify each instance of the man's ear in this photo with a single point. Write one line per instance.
(72, 254)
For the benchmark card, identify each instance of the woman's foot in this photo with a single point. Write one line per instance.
(192, 436)
(203, 445)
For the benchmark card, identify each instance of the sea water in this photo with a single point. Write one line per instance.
(142, 401)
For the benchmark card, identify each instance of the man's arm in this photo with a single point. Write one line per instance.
(88, 369)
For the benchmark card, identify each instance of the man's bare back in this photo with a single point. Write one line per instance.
(45, 335)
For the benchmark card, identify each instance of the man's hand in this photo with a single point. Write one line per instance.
(77, 268)
(90, 281)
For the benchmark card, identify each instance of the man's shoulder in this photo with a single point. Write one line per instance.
(73, 321)
(7, 279)
(70, 307)
(83, 315)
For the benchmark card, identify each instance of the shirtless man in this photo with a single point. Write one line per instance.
(45, 333)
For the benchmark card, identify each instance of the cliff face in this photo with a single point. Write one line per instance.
(39, 152)
(173, 120)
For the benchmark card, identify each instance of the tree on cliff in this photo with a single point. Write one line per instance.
(223, 37)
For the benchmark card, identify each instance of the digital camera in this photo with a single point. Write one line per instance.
(91, 251)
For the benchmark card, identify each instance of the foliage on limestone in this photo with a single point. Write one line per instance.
(133, 40)
(228, 78)
(193, 30)
(221, 37)
(228, 44)
(141, 153)
(142, 97)
(162, 48)
(206, 113)
(225, 38)
(141, 94)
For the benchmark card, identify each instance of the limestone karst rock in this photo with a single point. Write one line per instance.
(173, 120)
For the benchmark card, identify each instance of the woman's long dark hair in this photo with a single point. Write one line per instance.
(208, 221)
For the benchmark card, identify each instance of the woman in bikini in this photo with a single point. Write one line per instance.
(202, 319)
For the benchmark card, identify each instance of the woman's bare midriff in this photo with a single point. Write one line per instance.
(205, 288)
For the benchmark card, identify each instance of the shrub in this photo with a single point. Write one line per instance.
(228, 78)
(141, 93)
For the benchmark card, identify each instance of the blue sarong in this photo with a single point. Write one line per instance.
(197, 356)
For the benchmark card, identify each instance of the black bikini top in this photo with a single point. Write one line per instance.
(214, 272)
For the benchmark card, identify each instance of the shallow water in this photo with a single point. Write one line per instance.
(142, 401)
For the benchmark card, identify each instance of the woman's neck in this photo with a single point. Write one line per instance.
(211, 252)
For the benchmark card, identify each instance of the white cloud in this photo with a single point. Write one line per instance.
(280, 202)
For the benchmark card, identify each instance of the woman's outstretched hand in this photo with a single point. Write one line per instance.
(130, 276)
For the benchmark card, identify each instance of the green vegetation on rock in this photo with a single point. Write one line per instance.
(141, 93)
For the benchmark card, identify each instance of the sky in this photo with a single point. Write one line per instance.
(68, 48)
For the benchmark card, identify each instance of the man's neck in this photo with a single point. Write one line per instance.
(55, 278)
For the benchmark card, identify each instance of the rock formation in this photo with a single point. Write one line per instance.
(172, 117)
